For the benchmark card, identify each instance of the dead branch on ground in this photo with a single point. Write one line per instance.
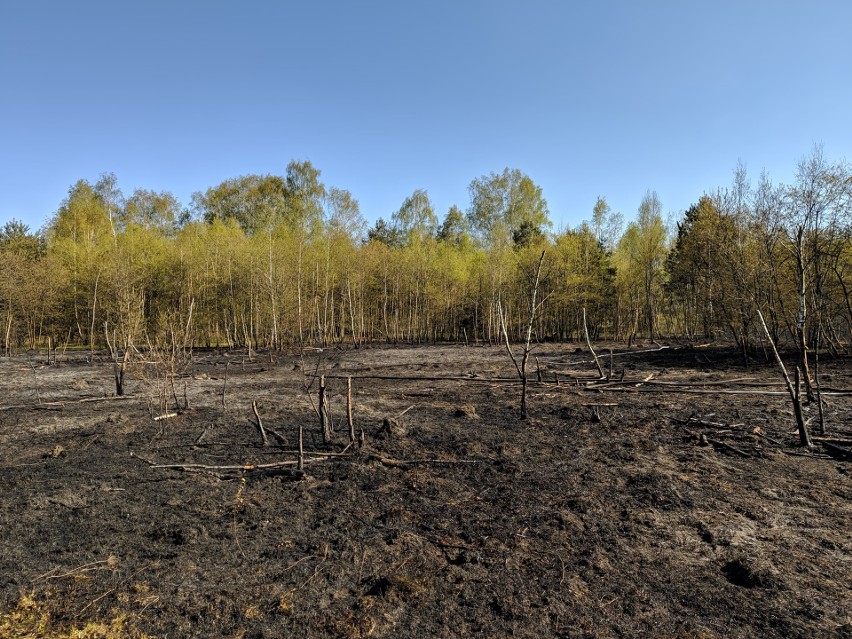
(401, 463)
(299, 463)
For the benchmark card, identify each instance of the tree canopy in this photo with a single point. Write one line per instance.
(505, 207)
(269, 260)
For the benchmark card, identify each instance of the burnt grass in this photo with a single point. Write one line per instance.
(603, 515)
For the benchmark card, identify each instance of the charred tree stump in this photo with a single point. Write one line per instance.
(118, 372)
(804, 437)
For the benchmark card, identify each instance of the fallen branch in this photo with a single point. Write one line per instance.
(837, 451)
(239, 467)
(617, 386)
(61, 403)
(696, 391)
(314, 453)
(809, 453)
(430, 378)
(646, 380)
(759, 432)
(587, 361)
(833, 440)
(728, 447)
(95, 565)
(281, 439)
(259, 423)
(701, 422)
(244, 467)
(688, 391)
(399, 463)
(703, 439)
(202, 435)
(740, 381)
(744, 381)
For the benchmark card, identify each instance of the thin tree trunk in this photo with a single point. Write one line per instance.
(589, 344)
(349, 419)
(323, 412)
(793, 391)
(94, 307)
(522, 367)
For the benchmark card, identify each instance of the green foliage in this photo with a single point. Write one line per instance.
(149, 209)
(639, 260)
(502, 204)
(692, 265)
(82, 217)
(305, 196)
(527, 234)
(606, 224)
(415, 220)
(584, 276)
(111, 198)
(695, 247)
(455, 229)
(384, 233)
(15, 237)
(343, 216)
(255, 202)
(275, 260)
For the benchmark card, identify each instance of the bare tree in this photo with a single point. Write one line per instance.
(522, 366)
(815, 205)
(793, 390)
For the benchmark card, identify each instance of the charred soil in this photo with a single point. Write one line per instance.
(671, 500)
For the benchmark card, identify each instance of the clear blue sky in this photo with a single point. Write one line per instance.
(588, 98)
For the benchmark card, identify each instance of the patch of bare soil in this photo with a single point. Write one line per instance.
(646, 505)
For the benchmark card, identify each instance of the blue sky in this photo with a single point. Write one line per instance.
(588, 98)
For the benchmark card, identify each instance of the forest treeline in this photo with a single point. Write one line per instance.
(270, 261)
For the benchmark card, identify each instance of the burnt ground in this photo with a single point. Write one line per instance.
(605, 514)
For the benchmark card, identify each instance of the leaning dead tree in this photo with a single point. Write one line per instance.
(322, 412)
(521, 367)
(794, 391)
(592, 350)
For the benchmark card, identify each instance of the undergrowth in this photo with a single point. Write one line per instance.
(31, 619)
